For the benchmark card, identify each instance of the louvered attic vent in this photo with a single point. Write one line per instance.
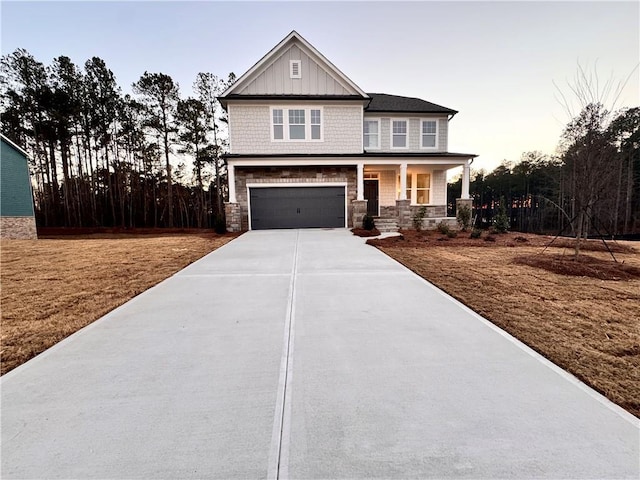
(295, 69)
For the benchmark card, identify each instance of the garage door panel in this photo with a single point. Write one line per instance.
(297, 207)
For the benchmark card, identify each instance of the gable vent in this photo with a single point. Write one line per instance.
(294, 69)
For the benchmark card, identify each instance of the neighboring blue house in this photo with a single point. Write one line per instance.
(17, 218)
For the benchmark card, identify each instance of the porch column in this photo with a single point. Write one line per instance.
(403, 181)
(360, 192)
(231, 177)
(465, 180)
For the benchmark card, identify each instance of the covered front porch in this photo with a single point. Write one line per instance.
(394, 192)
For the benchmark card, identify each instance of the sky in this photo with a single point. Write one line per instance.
(494, 62)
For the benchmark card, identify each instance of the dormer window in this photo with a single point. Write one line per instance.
(294, 68)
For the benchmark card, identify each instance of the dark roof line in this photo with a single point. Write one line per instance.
(383, 102)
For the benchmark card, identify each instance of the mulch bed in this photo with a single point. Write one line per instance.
(582, 266)
(361, 232)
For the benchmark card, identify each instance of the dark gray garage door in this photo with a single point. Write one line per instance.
(297, 207)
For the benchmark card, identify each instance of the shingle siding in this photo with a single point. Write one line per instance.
(414, 131)
(250, 131)
(15, 191)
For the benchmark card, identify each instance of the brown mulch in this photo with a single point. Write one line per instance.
(582, 266)
(587, 325)
(361, 232)
(52, 287)
(412, 238)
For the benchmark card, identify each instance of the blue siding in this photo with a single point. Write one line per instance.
(15, 187)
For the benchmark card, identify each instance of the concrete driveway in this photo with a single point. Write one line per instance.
(303, 354)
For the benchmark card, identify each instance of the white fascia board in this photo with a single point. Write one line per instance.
(18, 148)
(347, 161)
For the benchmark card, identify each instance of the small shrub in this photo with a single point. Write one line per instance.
(443, 227)
(219, 225)
(521, 239)
(463, 216)
(368, 223)
(418, 218)
(501, 223)
(489, 238)
(452, 234)
(475, 233)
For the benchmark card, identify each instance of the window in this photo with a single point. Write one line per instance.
(371, 134)
(423, 187)
(294, 69)
(315, 124)
(296, 124)
(419, 188)
(399, 134)
(278, 125)
(429, 132)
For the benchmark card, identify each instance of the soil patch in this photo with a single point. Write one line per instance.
(582, 266)
(588, 326)
(52, 287)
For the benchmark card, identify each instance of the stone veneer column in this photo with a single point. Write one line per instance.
(22, 228)
(404, 214)
(233, 215)
(464, 201)
(359, 211)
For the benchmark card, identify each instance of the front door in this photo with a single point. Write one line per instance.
(371, 194)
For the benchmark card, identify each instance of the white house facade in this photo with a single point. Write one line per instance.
(310, 149)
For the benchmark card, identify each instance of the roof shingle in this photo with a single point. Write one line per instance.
(382, 102)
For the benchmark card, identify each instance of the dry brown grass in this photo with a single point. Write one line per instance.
(588, 326)
(52, 287)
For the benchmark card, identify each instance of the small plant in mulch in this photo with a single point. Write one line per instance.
(452, 234)
(362, 232)
(489, 238)
(475, 233)
(463, 216)
(368, 223)
(418, 218)
(443, 228)
(521, 239)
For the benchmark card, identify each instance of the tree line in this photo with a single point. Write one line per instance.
(591, 187)
(99, 157)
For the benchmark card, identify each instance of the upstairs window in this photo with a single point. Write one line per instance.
(296, 124)
(371, 135)
(429, 133)
(316, 124)
(399, 134)
(278, 124)
(294, 69)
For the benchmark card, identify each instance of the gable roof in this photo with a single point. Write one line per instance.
(291, 40)
(382, 102)
(13, 145)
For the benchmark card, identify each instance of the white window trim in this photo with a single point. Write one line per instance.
(422, 120)
(307, 123)
(368, 119)
(391, 120)
(414, 187)
(291, 64)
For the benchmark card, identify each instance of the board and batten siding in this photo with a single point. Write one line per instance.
(415, 133)
(276, 79)
(250, 131)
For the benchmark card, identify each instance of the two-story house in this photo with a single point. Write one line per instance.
(309, 148)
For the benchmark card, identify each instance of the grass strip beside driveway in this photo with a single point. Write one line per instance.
(52, 287)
